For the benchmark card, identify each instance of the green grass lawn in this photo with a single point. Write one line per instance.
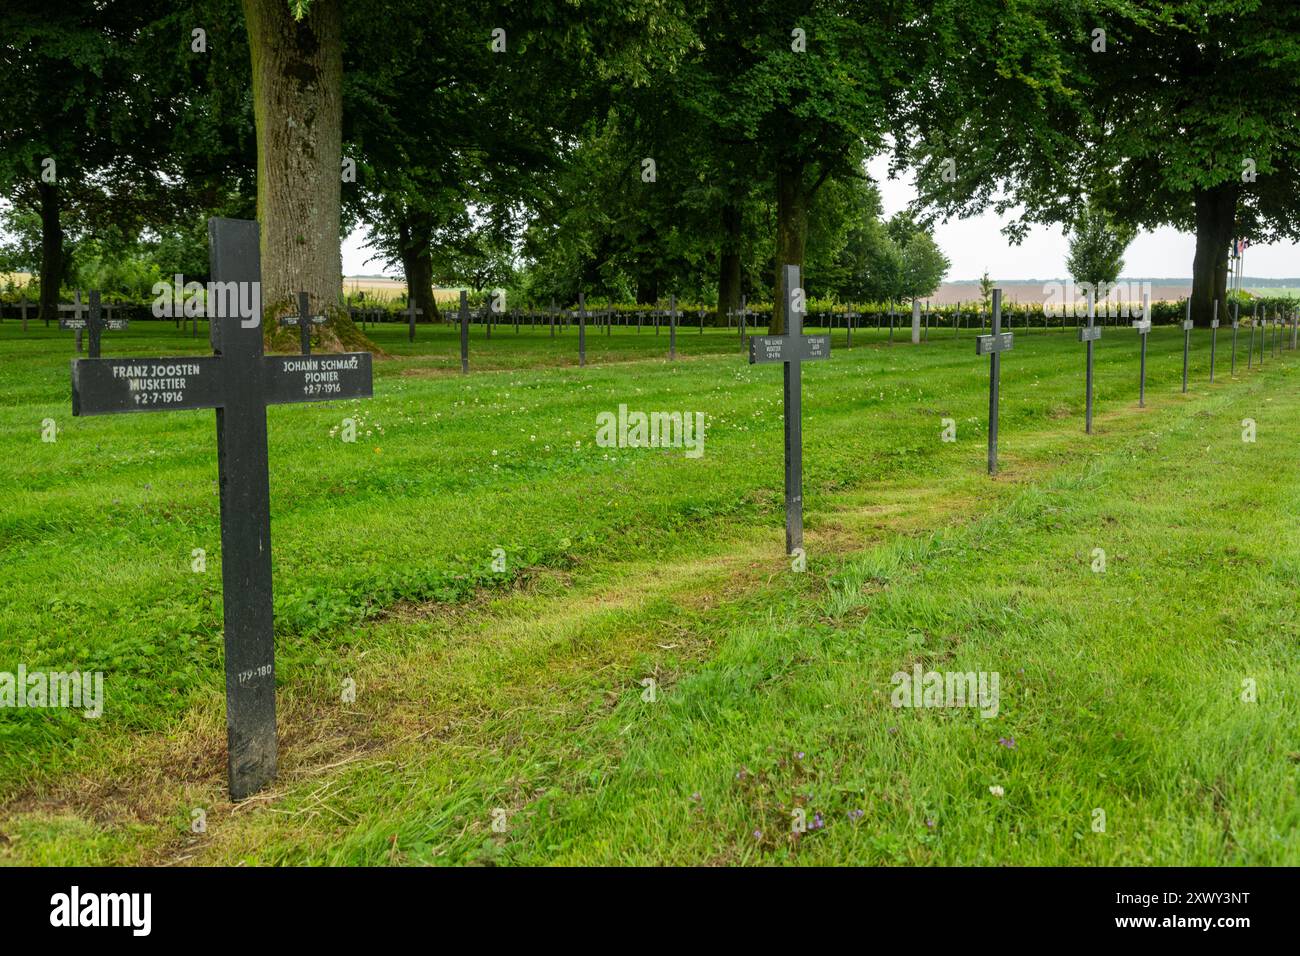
(518, 697)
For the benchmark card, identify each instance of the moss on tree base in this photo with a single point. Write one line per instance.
(338, 334)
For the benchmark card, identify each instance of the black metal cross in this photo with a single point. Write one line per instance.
(742, 314)
(1250, 353)
(1187, 339)
(1090, 333)
(849, 316)
(464, 331)
(993, 346)
(1214, 337)
(1236, 324)
(77, 323)
(94, 324)
(582, 329)
(1143, 327)
(239, 381)
(304, 321)
(792, 349)
(410, 313)
(672, 327)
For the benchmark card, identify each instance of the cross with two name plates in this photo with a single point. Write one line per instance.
(792, 349)
(239, 381)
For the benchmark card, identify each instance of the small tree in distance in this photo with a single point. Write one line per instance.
(986, 290)
(1097, 246)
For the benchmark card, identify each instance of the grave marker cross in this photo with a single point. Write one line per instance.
(582, 329)
(1089, 333)
(77, 323)
(1214, 337)
(792, 349)
(993, 346)
(672, 327)
(464, 331)
(1250, 352)
(1236, 324)
(410, 313)
(304, 320)
(1143, 327)
(239, 381)
(1187, 340)
(742, 314)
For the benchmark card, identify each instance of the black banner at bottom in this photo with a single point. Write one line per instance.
(931, 906)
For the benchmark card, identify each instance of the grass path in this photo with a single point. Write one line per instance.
(1120, 691)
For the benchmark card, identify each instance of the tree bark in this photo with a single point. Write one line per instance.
(1216, 219)
(647, 286)
(792, 199)
(298, 110)
(729, 263)
(415, 238)
(51, 252)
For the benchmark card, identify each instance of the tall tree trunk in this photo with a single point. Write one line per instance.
(298, 109)
(729, 263)
(1216, 220)
(647, 285)
(415, 238)
(51, 251)
(792, 200)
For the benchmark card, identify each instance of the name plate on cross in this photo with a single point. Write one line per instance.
(990, 344)
(1089, 333)
(111, 386)
(788, 348)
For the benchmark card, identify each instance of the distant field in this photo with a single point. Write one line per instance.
(389, 290)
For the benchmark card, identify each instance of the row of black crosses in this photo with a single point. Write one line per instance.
(794, 348)
(99, 319)
(239, 381)
(580, 315)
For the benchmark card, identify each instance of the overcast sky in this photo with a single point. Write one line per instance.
(977, 244)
